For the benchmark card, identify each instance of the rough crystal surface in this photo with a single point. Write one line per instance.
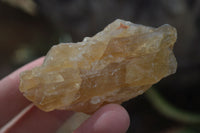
(115, 65)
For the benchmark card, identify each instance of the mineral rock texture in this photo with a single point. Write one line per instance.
(115, 65)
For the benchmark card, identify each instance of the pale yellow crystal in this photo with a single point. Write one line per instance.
(115, 65)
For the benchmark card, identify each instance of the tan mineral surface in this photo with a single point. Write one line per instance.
(115, 65)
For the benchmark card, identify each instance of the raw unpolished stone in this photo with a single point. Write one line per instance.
(115, 65)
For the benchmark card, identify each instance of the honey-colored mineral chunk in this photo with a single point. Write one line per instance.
(115, 65)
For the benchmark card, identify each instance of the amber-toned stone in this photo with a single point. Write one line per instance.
(115, 65)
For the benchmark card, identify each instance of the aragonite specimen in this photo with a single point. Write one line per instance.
(115, 65)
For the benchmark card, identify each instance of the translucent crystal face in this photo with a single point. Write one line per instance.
(115, 65)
